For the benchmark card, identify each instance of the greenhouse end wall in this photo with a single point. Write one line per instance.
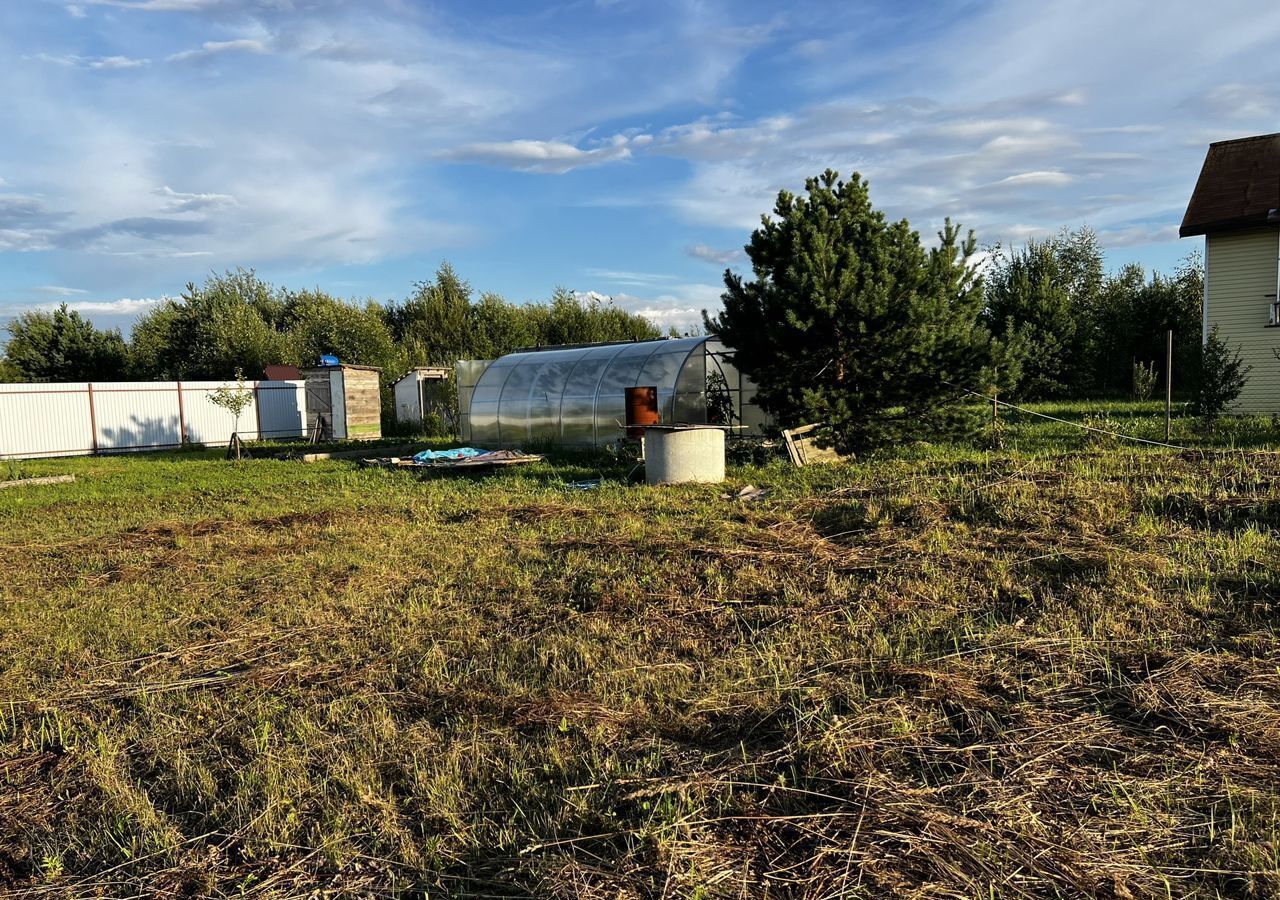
(574, 396)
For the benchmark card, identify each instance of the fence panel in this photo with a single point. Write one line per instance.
(45, 420)
(282, 409)
(136, 415)
(73, 419)
(208, 423)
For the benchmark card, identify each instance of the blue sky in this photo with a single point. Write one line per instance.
(626, 147)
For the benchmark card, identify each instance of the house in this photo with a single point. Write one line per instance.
(1236, 207)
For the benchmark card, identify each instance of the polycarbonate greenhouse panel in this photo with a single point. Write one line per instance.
(661, 369)
(513, 406)
(577, 421)
(484, 423)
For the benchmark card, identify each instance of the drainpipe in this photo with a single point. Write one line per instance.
(1204, 304)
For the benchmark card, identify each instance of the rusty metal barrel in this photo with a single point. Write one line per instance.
(642, 410)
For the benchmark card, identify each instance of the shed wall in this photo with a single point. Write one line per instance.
(363, 403)
(408, 396)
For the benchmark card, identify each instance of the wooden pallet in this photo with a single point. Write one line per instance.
(803, 449)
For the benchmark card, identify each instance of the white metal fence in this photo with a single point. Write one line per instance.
(106, 417)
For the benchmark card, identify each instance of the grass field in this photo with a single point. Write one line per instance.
(1051, 669)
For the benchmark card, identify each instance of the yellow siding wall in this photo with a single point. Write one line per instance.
(1241, 269)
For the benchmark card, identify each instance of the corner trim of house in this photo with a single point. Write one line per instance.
(1204, 303)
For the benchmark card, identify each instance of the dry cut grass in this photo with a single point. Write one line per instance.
(962, 675)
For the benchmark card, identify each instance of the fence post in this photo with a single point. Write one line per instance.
(1168, 389)
(257, 407)
(93, 419)
(182, 418)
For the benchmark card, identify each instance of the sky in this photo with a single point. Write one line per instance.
(626, 147)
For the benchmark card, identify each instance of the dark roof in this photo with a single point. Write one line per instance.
(1239, 187)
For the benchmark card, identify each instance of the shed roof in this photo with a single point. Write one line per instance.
(1239, 187)
(427, 372)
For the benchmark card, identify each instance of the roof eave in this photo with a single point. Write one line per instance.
(1239, 223)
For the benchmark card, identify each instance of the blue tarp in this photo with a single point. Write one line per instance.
(454, 453)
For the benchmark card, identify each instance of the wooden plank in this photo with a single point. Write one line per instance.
(48, 479)
(804, 451)
(408, 449)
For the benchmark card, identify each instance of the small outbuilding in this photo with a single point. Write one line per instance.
(343, 402)
(575, 396)
(423, 391)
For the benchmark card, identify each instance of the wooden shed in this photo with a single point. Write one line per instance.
(343, 402)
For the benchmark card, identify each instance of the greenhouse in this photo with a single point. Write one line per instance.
(575, 395)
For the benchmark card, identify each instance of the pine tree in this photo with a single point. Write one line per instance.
(1029, 295)
(1220, 380)
(61, 345)
(850, 321)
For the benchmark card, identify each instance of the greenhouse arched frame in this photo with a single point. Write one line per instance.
(575, 396)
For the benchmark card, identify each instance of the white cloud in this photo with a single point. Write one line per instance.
(719, 257)
(117, 62)
(160, 5)
(210, 49)
(1049, 178)
(680, 307)
(629, 278)
(1238, 101)
(333, 162)
(179, 202)
(551, 157)
(92, 62)
(122, 307)
(1138, 235)
(59, 291)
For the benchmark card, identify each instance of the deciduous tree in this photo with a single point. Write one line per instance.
(61, 345)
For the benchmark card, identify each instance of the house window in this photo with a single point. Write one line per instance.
(1275, 311)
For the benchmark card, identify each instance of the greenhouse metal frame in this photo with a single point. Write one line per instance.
(574, 396)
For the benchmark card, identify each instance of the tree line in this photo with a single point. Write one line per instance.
(1074, 330)
(849, 319)
(846, 318)
(236, 321)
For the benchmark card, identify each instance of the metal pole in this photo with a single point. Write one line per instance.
(182, 418)
(93, 419)
(1168, 388)
(257, 408)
